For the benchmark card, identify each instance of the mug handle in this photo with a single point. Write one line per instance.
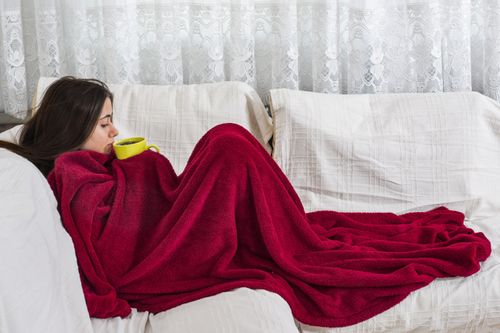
(155, 147)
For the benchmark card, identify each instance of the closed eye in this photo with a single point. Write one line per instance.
(108, 118)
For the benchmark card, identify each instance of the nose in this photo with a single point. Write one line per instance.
(114, 131)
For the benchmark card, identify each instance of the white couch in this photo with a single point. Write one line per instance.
(399, 152)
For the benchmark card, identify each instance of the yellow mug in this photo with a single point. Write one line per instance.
(129, 147)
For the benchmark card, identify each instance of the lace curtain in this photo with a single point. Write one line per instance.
(336, 46)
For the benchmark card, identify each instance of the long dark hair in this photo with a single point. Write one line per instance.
(65, 118)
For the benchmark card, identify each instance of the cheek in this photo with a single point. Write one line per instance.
(102, 138)
(97, 141)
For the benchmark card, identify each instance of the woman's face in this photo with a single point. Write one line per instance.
(103, 136)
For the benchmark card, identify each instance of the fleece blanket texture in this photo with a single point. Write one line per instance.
(150, 239)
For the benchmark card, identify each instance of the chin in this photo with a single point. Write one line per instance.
(108, 149)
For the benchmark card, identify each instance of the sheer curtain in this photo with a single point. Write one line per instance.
(337, 46)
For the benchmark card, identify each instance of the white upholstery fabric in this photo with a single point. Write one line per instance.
(399, 153)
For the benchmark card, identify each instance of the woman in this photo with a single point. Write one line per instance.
(150, 239)
(68, 104)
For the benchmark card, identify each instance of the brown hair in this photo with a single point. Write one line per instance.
(65, 118)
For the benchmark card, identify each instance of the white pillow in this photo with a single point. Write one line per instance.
(390, 152)
(12, 134)
(175, 117)
(240, 310)
(40, 288)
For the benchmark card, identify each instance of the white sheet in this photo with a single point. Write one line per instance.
(134, 323)
(399, 153)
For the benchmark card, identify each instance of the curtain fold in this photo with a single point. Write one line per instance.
(335, 46)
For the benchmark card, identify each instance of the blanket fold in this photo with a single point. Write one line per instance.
(150, 239)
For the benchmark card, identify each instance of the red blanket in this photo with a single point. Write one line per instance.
(149, 239)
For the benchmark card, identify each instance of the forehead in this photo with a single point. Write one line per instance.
(107, 108)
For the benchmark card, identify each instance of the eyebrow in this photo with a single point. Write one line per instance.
(106, 116)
